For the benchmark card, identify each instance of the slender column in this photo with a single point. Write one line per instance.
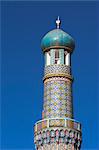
(48, 58)
(61, 56)
(45, 58)
(67, 59)
(52, 60)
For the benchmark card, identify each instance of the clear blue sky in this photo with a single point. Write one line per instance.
(23, 26)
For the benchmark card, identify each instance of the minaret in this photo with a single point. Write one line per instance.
(57, 130)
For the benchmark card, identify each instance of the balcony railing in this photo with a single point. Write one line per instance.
(57, 122)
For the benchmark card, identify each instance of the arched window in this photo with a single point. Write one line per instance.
(56, 56)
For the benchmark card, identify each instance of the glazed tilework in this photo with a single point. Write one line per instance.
(56, 146)
(56, 68)
(60, 135)
(57, 98)
(44, 124)
(57, 122)
(57, 130)
(57, 38)
(58, 78)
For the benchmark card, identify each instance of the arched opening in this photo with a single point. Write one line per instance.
(57, 56)
(57, 60)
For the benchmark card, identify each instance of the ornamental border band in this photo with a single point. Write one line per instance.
(58, 130)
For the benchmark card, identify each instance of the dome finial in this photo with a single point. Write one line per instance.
(58, 22)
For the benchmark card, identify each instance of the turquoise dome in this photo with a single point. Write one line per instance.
(55, 38)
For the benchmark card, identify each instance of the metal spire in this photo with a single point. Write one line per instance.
(58, 22)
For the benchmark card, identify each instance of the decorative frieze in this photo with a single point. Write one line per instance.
(57, 69)
(58, 146)
(57, 122)
(58, 78)
(58, 136)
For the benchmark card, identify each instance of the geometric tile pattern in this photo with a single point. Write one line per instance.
(59, 122)
(57, 68)
(59, 136)
(56, 146)
(57, 98)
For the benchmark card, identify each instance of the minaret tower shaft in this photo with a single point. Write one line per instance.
(57, 130)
